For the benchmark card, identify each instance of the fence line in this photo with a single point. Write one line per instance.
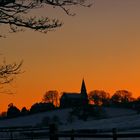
(55, 134)
(52, 133)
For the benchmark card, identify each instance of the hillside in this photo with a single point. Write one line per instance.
(116, 118)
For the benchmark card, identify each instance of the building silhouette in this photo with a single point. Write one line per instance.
(75, 99)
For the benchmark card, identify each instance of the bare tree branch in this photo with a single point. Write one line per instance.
(14, 13)
(9, 71)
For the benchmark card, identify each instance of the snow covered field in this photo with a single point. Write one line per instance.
(122, 119)
(33, 120)
(116, 118)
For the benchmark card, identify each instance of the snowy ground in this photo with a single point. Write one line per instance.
(123, 119)
(34, 119)
(116, 118)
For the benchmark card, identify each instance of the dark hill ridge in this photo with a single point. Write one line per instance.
(119, 118)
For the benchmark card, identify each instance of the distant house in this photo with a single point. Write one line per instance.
(75, 99)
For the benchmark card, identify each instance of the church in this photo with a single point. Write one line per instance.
(75, 99)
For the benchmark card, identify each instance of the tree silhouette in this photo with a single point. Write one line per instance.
(12, 111)
(51, 96)
(99, 97)
(41, 107)
(24, 111)
(122, 96)
(8, 71)
(15, 13)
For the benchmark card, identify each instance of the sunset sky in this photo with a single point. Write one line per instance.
(101, 44)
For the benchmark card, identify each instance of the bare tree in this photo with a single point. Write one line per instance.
(8, 72)
(99, 97)
(15, 13)
(122, 96)
(51, 96)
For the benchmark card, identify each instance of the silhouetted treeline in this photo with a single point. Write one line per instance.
(41, 107)
(100, 97)
(13, 111)
(51, 100)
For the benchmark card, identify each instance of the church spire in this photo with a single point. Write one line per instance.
(83, 88)
(84, 93)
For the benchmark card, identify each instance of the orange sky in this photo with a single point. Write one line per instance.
(101, 44)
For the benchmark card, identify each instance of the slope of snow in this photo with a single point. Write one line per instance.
(123, 122)
(34, 119)
(117, 112)
(117, 118)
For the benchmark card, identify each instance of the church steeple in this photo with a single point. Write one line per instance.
(84, 93)
(83, 88)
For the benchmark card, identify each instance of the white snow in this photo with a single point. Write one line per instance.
(117, 118)
(34, 119)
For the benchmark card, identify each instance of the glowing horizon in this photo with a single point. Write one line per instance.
(100, 43)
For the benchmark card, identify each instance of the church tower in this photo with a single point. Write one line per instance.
(84, 93)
